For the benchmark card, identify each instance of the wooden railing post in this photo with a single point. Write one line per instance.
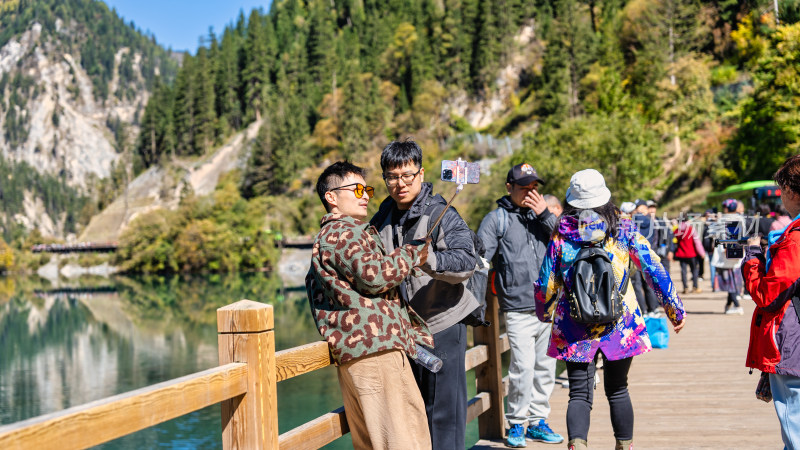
(489, 375)
(246, 335)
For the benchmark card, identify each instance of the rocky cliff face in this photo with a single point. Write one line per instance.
(59, 127)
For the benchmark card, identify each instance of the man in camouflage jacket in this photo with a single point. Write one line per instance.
(352, 289)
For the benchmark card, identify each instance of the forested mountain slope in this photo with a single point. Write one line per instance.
(668, 98)
(74, 81)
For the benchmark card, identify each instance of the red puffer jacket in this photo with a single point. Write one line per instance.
(689, 244)
(775, 329)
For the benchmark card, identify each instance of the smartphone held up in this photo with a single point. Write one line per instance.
(460, 172)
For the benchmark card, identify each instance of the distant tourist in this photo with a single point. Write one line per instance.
(515, 236)
(772, 278)
(765, 221)
(590, 219)
(726, 269)
(782, 218)
(553, 204)
(688, 248)
(645, 296)
(353, 290)
(439, 295)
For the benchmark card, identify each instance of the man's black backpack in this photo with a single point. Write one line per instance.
(478, 284)
(594, 298)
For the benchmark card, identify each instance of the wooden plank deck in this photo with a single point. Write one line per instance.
(695, 394)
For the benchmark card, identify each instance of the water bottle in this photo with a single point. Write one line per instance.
(428, 360)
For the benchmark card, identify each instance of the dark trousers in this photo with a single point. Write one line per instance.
(644, 294)
(691, 264)
(581, 396)
(701, 266)
(445, 392)
(665, 262)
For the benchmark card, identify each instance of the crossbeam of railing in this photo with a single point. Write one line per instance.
(103, 420)
(245, 384)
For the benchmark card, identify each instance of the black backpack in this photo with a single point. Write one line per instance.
(477, 284)
(594, 298)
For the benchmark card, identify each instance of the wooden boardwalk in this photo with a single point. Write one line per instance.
(695, 394)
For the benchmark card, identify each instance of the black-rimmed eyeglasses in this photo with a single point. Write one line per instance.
(408, 177)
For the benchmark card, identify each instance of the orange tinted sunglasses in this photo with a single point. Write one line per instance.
(358, 190)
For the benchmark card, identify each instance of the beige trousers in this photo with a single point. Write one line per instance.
(382, 401)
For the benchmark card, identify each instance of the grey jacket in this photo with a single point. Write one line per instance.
(439, 295)
(517, 255)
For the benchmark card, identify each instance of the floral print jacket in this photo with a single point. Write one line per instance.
(571, 341)
(352, 290)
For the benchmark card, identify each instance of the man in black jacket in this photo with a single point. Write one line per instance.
(648, 303)
(439, 295)
(515, 236)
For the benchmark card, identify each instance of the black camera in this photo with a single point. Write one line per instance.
(734, 241)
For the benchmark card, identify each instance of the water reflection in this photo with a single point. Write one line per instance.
(65, 345)
(72, 342)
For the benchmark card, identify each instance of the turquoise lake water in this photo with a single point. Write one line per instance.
(71, 342)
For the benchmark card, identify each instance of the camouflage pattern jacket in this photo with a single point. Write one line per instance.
(352, 289)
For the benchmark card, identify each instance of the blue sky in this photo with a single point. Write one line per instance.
(180, 23)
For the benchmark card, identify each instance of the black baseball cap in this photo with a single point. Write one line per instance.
(523, 175)
(639, 202)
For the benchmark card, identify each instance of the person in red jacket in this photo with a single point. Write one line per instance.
(773, 281)
(689, 248)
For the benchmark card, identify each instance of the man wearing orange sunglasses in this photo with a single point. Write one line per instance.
(352, 288)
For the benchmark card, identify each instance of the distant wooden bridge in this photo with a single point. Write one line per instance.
(110, 247)
(298, 242)
(83, 291)
(79, 247)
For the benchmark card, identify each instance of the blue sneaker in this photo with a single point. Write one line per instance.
(543, 433)
(516, 437)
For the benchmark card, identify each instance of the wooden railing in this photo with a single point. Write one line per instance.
(245, 384)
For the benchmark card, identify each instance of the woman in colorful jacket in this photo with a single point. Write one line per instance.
(773, 281)
(591, 217)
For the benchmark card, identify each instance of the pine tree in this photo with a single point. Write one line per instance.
(552, 86)
(157, 135)
(205, 115)
(289, 131)
(184, 113)
(485, 46)
(320, 49)
(258, 175)
(398, 61)
(355, 124)
(255, 75)
(228, 107)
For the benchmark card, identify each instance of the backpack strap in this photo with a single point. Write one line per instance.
(502, 222)
(623, 288)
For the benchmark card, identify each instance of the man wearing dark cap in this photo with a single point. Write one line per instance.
(516, 235)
